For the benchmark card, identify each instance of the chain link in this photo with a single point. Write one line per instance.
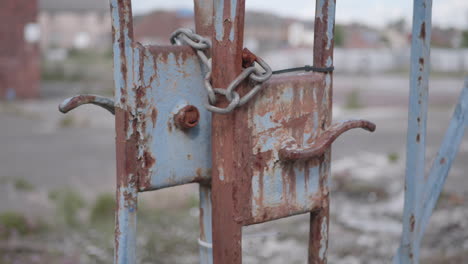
(257, 75)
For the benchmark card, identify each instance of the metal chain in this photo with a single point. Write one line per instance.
(257, 75)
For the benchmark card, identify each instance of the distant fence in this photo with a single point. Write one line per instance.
(373, 60)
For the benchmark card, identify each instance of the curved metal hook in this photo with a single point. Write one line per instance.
(75, 101)
(323, 142)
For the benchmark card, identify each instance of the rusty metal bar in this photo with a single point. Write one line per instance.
(127, 185)
(323, 142)
(75, 101)
(416, 138)
(323, 57)
(227, 62)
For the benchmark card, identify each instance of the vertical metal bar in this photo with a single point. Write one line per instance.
(227, 62)
(443, 161)
(204, 26)
(204, 17)
(205, 240)
(416, 137)
(323, 57)
(126, 194)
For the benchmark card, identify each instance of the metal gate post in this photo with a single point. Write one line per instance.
(416, 136)
(227, 136)
(323, 57)
(127, 189)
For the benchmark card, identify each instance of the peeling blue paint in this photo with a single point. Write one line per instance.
(126, 235)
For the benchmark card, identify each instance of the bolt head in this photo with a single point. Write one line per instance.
(187, 117)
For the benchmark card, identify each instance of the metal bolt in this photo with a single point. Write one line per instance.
(187, 117)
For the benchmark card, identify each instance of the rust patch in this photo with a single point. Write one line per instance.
(418, 137)
(202, 227)
(412, 223)
(169, 126)
(199, 172)
(248, 58)
(154, 115)
(187, 117)
(422, 33)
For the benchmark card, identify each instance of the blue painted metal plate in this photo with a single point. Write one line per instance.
(165, 79)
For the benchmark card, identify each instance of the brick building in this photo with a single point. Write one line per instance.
(19, 49)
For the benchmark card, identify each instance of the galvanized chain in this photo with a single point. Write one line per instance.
(256, 75)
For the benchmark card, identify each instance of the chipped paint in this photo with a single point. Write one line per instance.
(323, 238)
(170, 78)
(281, 112)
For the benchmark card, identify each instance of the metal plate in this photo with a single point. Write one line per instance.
(165, 80)
(289, 107)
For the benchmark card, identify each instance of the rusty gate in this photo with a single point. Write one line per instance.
(258, 144)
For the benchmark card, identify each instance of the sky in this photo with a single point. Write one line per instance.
(445, 13)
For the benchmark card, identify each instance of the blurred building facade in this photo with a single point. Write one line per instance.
(19, 50)
(72, 24)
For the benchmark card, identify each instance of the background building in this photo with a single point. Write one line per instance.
(19, 51)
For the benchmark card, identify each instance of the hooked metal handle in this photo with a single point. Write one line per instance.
(75, 101)
(323, 142)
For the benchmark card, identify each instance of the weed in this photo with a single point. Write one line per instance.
(103, 209)
(67, 202)
(67, 121)
(11, 222)
(353, 100)
(23, 185)
(393, 157)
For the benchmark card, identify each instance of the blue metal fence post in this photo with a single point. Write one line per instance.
(127, 189)
(443, 161)
(204, 27)
(416, 137)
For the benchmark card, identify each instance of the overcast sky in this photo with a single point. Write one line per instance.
(376, 12)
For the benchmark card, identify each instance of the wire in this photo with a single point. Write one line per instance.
(306, 68)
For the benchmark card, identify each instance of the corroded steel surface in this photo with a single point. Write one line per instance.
(167, 80)
(228, 133)
(187, 117)
(324, 28)
(321, 143)
(288, 108)
(151, 85)
(126, 191)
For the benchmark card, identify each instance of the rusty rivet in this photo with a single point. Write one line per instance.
(248, 58)
(187, 117)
